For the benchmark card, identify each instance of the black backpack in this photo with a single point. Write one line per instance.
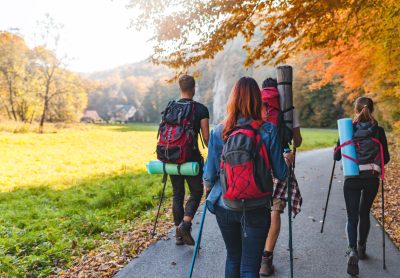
(366, 143)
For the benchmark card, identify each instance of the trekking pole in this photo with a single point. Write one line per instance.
(289, 193)
(164, 180)
(383, 228)
(327, 198)
(198, 239)
(294, 159)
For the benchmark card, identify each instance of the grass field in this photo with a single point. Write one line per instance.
(318, 138)
(61, 192)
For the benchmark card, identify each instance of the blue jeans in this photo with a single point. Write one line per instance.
(244, 236)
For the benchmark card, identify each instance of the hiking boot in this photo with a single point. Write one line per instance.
(352, 262)
(361, 248)
(267, 268)
(179, 240)
(183, 231)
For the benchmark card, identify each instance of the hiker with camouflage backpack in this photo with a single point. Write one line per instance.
(360, 191)
(272, 113)
(182, 121)
(244, 153)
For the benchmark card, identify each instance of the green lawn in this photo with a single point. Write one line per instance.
(318, 138)
(60, 192)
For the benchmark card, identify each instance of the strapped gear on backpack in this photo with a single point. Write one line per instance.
(369, 150)
(176, 133)
(271, 112)
(245, 172)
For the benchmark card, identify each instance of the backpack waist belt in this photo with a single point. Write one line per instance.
(370, 167)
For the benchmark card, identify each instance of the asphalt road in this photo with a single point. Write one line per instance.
(315, 254)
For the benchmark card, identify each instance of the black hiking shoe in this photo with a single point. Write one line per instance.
(183, 231)
(179, 240)
(267, 268)
(361, 248)
(352, 262)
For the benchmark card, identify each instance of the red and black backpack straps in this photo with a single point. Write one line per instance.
(381, 156)
(369, 149)
(176, 132)
(245, 173)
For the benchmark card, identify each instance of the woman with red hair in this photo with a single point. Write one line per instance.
(244, 230)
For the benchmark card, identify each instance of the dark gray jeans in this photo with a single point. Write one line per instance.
(359, 194)
(178, 195)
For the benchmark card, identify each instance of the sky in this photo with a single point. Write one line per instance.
(95, 34)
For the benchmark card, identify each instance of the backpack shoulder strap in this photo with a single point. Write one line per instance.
(288, 109)
(381, 156)
(163, 113)
(348, 142)
(260, 143)
(170, 103)
(377, 134)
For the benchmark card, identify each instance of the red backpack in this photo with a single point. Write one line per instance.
(271, 112)
(245, 172)
(176, 134)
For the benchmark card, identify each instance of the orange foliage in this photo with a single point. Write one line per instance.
(356, 41)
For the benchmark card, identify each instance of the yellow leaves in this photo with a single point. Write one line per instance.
(29, 78)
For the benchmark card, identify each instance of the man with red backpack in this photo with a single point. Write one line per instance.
(272, 113)
(182, 122)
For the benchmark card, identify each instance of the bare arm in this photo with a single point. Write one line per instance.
(297, 139)
(205, 130)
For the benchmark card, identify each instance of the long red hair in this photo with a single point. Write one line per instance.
(245, 101)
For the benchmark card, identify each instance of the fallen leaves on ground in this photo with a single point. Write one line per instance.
(121, 246)
(392, 195)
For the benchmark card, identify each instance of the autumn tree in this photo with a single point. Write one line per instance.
(14, 59)
(35, 86)
(48, 67)
(69, 98)
(187, 32)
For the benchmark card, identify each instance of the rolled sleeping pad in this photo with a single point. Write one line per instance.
(350, 168)
(186, 169)
(284, 77)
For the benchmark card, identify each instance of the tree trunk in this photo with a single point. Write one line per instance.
(45, 106)
(33, 114)
(22, 112)
(11, 99)
(43, 117)
(6, 108)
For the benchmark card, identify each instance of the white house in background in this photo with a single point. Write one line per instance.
(122, 113)
(91, 116)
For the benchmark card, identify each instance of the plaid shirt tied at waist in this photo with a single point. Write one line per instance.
(280, 192)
